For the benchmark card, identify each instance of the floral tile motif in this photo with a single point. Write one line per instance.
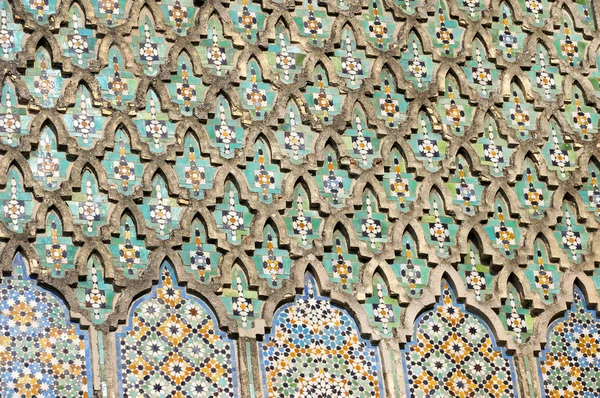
(324, 101)
(516, 319)
(172, 346)
(130, 254)
(84, 121)
(160, 210)
(456, 112)
(312, 22)
(483, 75)
(417, 65)
(412, 271)
(558, 154)
(89, 206)
(262, 174)
(302, 223)
(331, 359)
(440, 229)
(519, 113)
(475, 274)
(42, 354)
(94, 293)
(533, 193)
(504, 232)
(572, 237)
(351, 63)
(272, 262)
(117, 83)
(371, 224)
(493, 150)
(544, 275)
(429, 147)
(454, 353)
(201, 258)
(225, 133)
(232, 217)
(124, 169)
(241, 302)
(545, 78)
(13, 117)
(342, 266)
(186, 89)
(508, 37)
(55, 249)
(569, 44)
(284, 57)
(447, 33)
(12, 33)
(401, 186)
(179, 14)
(77, 41)
(17, 203)
(334, 183)
(44, 82)
(295, 138)
(49, 165)
(361, 141)
(40, 9)
(383, 311)
(388, 103)
(195, 172)
(379, 27)
(153, 125)
(217, 52)
(112, 12)
(467, 190)
(572, 349)
(257, 96)
(247, 18)
(583, 118)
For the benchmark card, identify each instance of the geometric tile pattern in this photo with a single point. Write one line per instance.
(172, 347)
(569, 366)
(455, 354)
(314, 350)
(382, 145)
(42, 354)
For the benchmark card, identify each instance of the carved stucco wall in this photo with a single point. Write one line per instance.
(280, 198)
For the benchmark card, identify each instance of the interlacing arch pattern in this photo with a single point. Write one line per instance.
(237, 198)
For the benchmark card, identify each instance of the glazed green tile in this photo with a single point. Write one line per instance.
(257, 96)
(493, 150)
(312, 22)
(195, 171)
(440, 229)
(10, 41)
(508, 36)
(467, 190)
(590, 192)
(241, 303)
(503, 231)
(372, 226)
(272, 262)
(482, 75)
(153, 125)
(475, 274)
(55, 249)
(333, 182)
(89, 205)
(217, 52)
(123, 168)
(572, 237)
(351, 63)
(411, 270)
(118, 85)
(361, 141)
(545, 78)
(378, 25)
(429, 147)
(447, 33)
(264, 177)
(225, 133)
(582, 117)
(247, 18)
(417, 66)
(532, 192)
(43, 81)
(48, 164)
(201, 258)
(324, 101)
(559, 155)
(185, 89)
(303, 224)
(77, 41)
(388, 103)
(84, 121)
(383, 311)
(129, 251)
(161, 211)
(180, 14)
(342, 266)
(516, 319)
(231, 216)
(14, 118)
(400, 186)
(295, 138)
(544, 277)
(286, 58)
(456, 112)
(94, 293)
(17, 204)
(519, 113)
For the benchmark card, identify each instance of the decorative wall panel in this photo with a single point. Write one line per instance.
(303, 176)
